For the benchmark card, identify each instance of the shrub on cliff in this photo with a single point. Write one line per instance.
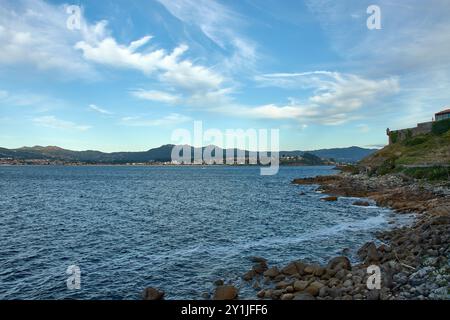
(394, 136)
(441, 127)
(430, 173)
(415, 141)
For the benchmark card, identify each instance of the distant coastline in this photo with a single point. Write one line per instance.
(52, 155)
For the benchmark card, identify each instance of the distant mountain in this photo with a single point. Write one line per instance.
(351, 154)
(163, 154)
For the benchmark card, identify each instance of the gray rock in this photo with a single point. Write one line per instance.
(303, 296)
(440, 294)
(400, 278)
(341, 274)
(348, 283)
(334, 292)
(339, 263)
(323, 291)
(152, 294)
(373, 295)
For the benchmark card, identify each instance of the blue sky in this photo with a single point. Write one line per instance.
(137, 70)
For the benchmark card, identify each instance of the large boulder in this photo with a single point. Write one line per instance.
(314, 269)
(272, 272)
(293, 268)
(300, 285)
(369, 253)
(303, 296)
(260, 267)
(290, 269)
(258, 260)
(338, 263)
(372, 255)
(314, 288)
(152, 294)
(287, 296)
(226, 292)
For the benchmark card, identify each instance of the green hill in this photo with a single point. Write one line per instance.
(425, 155)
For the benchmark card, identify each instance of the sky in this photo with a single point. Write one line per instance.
(133, 71)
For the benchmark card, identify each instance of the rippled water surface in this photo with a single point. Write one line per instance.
(176, 228)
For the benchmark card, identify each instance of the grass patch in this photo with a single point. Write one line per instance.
(436, 173)
(411, 142)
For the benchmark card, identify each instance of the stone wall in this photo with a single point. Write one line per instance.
(400, 135)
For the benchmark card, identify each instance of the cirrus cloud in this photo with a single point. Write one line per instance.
(166, 121)
(55, 123)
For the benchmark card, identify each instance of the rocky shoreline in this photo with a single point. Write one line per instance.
(414, 260)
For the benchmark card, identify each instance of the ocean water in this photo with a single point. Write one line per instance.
(175, 228)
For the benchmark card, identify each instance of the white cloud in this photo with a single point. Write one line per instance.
(413, 44)
(169, 68)
(34, 33)
(169, 120)
(99, 109)
(155, 95)
(335, 98)
(55, 123)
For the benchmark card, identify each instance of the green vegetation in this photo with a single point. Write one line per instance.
(415, 141)
(435, 173)
(409, 134)
(394, 136)
(306, 159)
(429, 152)
(441, 127)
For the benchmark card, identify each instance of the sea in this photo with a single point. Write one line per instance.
(115, 230)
